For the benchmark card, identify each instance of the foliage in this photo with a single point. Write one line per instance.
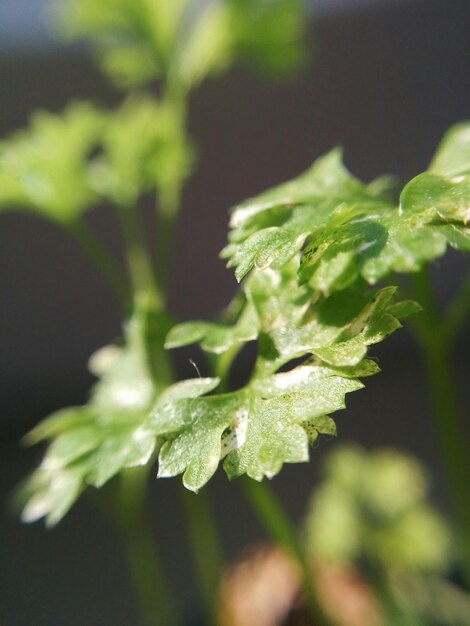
(92, 443)
(43, 169)
(373, 506)
(348, 231)
(141, 40)
(315, 256)
(371, 512)
(327, 321)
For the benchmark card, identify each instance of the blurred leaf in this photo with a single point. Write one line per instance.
(136, 39)
(207, 48)
(44, 169)
(440, 602)
(268, 33)
(372, 508)
(144, 147)
(452, 158)
(91, 444)
(185, 41)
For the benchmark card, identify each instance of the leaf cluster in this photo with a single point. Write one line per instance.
(313, 316)
(316, 243)
(66, 163)
(183, 41)
(92, 443)
(373, 506)
(347, 231)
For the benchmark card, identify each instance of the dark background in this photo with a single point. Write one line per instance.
(385, 82)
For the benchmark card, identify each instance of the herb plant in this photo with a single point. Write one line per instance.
(317, 258)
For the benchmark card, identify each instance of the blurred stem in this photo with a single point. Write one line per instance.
(104, 262)
(169, 206)
(272, 516)
(138, 260)
(169, 194)
(146, 570)
(451, 434)
(206, 548)
(457, 311)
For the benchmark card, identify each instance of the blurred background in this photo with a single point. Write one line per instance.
(385, 80)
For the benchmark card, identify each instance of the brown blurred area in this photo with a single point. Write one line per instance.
(383, 82)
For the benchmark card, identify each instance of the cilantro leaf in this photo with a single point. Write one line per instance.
(92, 443)
(256, 429)
(348, 231)
(143, 148)
(292, 321)
(43, 169)
(138, 41)
(272, 420)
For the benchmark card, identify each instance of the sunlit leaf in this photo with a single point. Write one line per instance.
(274, 418)
(143, 148)
(348, 231)
(44, 169)
(256, 430)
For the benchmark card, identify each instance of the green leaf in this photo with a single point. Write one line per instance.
(50, 498)
(373, 505)
(44, 169)
(91, 444)
(215, 338)
(292, 321)
(450, 198)
(135, 39)
(256, 429)
(268, 33)
(350, 232)
(140, 40)
(452, 157)
(270, 229)
(207, 49)
(143, 148)
(272, 420)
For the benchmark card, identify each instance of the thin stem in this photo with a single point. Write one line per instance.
(104, 262)
(457, 311)
(169, 207)
(140, 267)
(205, 546)
(169, 192)
(278, 526)
(451, 434)
(146, 570)
(222, 364)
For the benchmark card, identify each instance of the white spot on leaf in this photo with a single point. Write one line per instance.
(234, 437)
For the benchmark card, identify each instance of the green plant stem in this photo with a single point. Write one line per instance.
(451, 434)
(138, 260)
(167, 218)
(169, 194)
(146, 570)
(206, 548)
(278, 526)
(222, 364)
(457, 311)
(106, 265)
